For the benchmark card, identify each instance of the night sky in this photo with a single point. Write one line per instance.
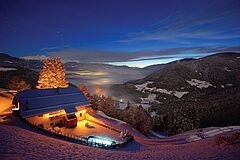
(131, 32)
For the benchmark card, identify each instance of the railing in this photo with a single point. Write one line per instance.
(75, 139)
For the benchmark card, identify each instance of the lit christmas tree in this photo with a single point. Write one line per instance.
(52, 75)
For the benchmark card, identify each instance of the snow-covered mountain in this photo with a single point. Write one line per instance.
(35, 57)
(44, 57)
(211, 83)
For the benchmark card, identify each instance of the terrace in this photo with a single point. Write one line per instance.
(89, 128)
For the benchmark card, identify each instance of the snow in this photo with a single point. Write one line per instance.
(194, 138)
(81, 130)
(153, 114)
(179, 94)
(7, 69)
(226, 69)
(151, 98)
(95, 130)
(164, 91)
(18, 141)
(222, 86)
(229, 84)
(212, 132)
(9, 62)
(143, 88)
(157, 135)
(237, 57)
(199, 84)
(110, 118)
(144, 106)
(146, 102)
(122, 105)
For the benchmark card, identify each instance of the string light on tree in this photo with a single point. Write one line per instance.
(52, 75)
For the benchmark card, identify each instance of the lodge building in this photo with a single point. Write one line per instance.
(52, 107)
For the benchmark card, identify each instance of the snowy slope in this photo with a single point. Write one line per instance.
(18, 141)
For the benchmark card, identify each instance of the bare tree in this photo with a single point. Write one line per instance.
(18, 84)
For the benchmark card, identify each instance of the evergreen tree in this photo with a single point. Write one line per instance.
(86, 93)
(182, 119)
(52, 75)
(138, 118)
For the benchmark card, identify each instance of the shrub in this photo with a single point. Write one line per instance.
(18, 84)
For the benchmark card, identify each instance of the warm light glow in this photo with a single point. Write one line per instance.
(46, 115)
(82, 111)
(99, 91)
(101, 81)
(89, 73)
(58, 113)
(52, 75)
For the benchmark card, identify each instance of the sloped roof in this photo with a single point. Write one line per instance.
(39, 101)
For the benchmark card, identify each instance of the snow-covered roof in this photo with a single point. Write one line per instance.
(39, 101)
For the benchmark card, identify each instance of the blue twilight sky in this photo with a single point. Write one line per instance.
(130, 32)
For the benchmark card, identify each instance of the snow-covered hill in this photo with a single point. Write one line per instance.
(210, 84)
(18, 141)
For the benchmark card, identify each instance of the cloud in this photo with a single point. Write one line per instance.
(54, 48)
(49, 48)
(106, 56)
(184, 28)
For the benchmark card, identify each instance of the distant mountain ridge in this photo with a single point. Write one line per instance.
(9, 61)
(35, 62)
(74, 69)
(35, 57)
(211, 83)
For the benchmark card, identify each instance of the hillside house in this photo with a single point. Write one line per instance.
(52, 107)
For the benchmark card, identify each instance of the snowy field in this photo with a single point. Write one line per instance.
(143, 88)
(146, 102)
(7, 69)
(18, 141)
(200, 84)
